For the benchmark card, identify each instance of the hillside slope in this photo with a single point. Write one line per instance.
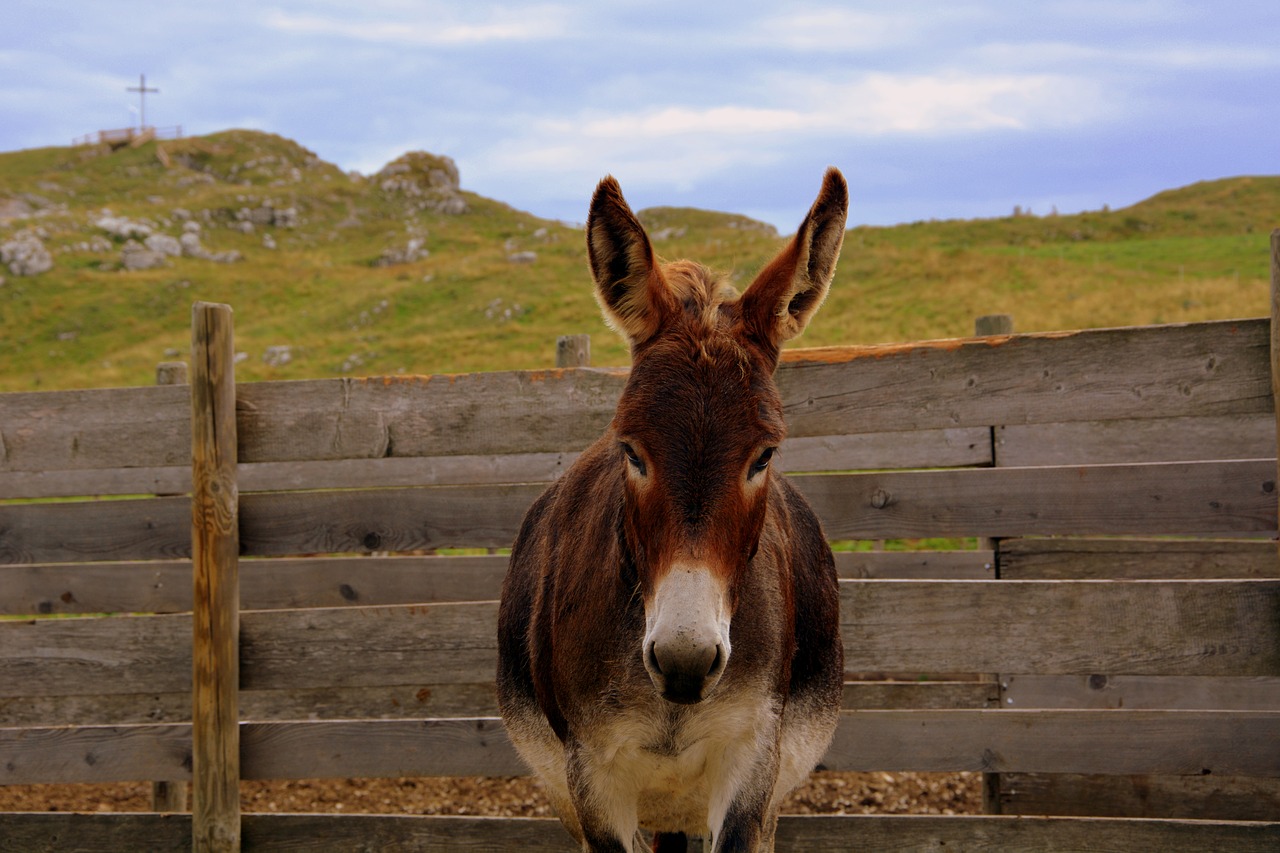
(336, 274)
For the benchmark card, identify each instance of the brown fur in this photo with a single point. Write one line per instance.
(638, 705)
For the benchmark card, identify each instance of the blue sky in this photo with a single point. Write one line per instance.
(932, 110)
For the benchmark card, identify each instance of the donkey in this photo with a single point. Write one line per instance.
(668, 636)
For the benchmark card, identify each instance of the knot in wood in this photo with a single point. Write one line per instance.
(880, 499)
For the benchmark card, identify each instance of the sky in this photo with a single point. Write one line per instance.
(931, 110)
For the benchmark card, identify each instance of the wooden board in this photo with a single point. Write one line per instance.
(1191, 797)
(164, 586)
(317, 833)
(1227, 497)
(920, 449)
(411, 701)
(1138, 692)
(1062, 627)
(1226, 743)
(1251, 436)
(1220, 368)
(1218, 628)
(1073, 558)
(1110, 742)
(417, 701)
(1206, 369)
(1175, 498)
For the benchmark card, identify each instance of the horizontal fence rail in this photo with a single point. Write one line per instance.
(1208, 498)
(1205, 628)
(271, 833)
(1214, 370)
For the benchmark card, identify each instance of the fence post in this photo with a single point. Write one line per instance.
(1275, 330)
(573, 351)
(170, 795)
(215, 550)
(993, 324)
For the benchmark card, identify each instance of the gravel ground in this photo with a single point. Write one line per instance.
(825, 793)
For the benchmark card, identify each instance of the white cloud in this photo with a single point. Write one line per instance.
(413, 27)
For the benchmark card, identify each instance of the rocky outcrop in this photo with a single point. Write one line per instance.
(414, 250)
(428, 182)
(25, 254)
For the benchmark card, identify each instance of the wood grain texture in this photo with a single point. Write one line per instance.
(817, 834)
(409, 701)
(1063, 627)
(1139, 692)
(1136, 559)
(919, 449)
(164, 586)
(1185, 797)
(1228, 743)
(215, 556)
(1216, 368)
(1174, 498)
(1251, 436)
(299, 833)
(1219, 368)
(1225, 497)
(1109, 742)
(1213, 628)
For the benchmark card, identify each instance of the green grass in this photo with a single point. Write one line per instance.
(1194, 253)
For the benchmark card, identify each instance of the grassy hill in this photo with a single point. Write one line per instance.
(351, 275)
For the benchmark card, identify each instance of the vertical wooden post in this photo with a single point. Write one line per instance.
(993, 324)
(215, 551)
(170, 795)
(573, 351)
(1275, 331)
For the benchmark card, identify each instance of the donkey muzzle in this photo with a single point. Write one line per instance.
(686, 642)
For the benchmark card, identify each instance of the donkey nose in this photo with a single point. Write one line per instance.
(684, 671)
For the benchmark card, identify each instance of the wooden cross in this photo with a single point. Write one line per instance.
(142, 90)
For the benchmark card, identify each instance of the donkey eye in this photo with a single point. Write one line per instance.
(761, 463)
(633, 458)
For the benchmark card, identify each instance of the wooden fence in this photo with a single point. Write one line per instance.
(1126, 610)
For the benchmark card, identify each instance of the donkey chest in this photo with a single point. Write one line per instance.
(675, 758)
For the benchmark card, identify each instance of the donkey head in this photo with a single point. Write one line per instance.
(699, 421)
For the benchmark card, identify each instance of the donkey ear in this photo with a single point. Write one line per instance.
(778, 304)
(629, 285)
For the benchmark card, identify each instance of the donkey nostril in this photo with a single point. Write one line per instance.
(718, 663)
(651, 657)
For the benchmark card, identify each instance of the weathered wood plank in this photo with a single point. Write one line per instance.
(1227, 743)
(1134, 559)
(920, 695)
(918, 449)
(1190, 797)
(1218, 368)
(316, 833)
(1173, 498)
(1080, 627)
(1176, 498)
(1153, 371)
(1111, 742)
(164, 586)
(215, 560)
(409, 701)
(416, 701)
(1140, 692)
(1219, 628)
(1250, 436)
(918, 565)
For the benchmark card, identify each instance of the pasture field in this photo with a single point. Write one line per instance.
(312, 285)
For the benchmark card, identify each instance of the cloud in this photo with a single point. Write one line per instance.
(412, 27)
